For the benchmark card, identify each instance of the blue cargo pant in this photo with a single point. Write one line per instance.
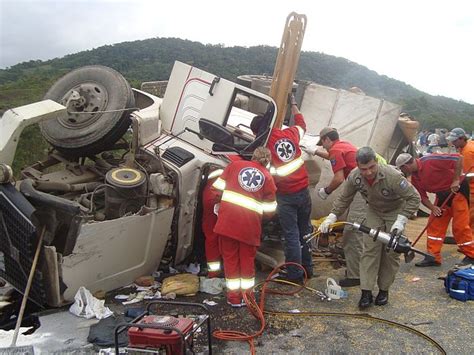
(294, 212)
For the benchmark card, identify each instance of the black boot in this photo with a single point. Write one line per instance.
(382, 298)
(366, 299)
(426, 262)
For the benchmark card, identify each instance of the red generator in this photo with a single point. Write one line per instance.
(158, 333)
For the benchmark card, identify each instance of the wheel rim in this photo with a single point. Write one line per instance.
(92, 98)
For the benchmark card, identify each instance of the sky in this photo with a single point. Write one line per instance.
(426, 44)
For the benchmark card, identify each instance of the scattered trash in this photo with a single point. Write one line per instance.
(213, 286)
(170, 296)
(415, 279)
(296, 310)
(135, 298)
(87, 306)
(100, 294)
(146, 281)
(295, 333)
(193, 268)
(153, 296)
(121, 297)
(209, 303)
(333, 290)
(172, 270)
(157, 274)
(181, 284)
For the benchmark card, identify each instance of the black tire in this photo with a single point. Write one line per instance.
(100, 89)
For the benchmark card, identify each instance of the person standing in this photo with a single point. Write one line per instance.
(293, 198)
(210, 198)
(342, 154)
(391, 200)
(458, 138)
(441, 174)
(247, 195)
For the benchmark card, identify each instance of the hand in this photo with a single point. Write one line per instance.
(399, 224)
(309, 150)
(436, 211)
(325, 227)
(322, 193)
(455, 186)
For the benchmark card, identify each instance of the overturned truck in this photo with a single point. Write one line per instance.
(120, 192)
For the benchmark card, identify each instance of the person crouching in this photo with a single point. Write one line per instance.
(247, 195)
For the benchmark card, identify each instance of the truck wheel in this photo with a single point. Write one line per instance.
(87, 92)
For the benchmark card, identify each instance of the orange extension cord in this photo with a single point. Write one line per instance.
(257, 309)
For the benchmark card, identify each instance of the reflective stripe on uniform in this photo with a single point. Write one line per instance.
(242, 201)
(219, 184)
(435, 238)
(300, 131)
(232, 284)
(247, 283)
(214, 265)
(287, 169)
(467, 243)
(215, 173)
(269, 206)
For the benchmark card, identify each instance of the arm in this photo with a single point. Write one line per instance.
(336, 181)
(321, 153)
(457, 175)
(344, 199)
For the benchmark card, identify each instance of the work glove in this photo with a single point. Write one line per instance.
(399, 224)
(325, 226)
(309, 150)
(322, 193)
(216, 208)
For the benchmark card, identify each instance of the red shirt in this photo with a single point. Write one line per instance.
(342, 156)
(248, 190)
(291, 175)
(435, 173)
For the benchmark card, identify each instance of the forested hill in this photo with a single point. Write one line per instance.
(152, 59)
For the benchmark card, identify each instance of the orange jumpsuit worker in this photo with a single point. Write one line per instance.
(440, 174)
(209, 218)
(248, 192)
(465, 146)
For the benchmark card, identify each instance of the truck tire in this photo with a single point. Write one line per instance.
(91, 89)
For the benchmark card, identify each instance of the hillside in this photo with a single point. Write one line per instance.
(152, 59)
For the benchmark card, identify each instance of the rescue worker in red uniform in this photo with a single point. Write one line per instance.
(248, 193)
(210, 197)
(441, 174)
(293, 198)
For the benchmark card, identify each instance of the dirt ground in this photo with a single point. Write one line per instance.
(417, 299)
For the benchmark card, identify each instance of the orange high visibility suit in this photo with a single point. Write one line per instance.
(468, 167)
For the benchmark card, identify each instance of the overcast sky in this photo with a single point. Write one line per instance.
(427, 44)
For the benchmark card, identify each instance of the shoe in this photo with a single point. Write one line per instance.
(309, 271)
(449, 240)
(366, 299)
(382, 298)
(466, 261)
(427, 262)
(346, 282)
(236, 305)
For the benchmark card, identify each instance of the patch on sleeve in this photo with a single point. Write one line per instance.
(404, 184)
(333, 161)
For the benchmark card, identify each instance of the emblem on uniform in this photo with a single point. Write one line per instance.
(333, 162)
(358, 180)
(285, 149)
(251, 179)
(385, 192)
(403, 184)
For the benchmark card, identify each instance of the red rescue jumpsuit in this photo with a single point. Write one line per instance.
(209, 198)
(248, 191)
(435, 174)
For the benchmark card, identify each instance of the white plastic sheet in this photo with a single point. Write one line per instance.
(87, 306)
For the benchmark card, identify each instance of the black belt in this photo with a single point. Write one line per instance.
(463, 189)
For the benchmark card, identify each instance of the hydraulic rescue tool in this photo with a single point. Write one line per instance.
(393, 240)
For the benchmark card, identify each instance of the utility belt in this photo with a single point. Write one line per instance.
(443, 195)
